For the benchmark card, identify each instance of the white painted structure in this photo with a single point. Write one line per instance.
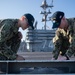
(39, 40)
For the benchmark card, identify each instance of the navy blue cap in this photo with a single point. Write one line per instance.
(56, 17)
(30, 19)
(56, 25)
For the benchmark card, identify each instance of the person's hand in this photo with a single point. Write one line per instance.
(20, 35)
(53, 59)
(20, 57)
(61, 57)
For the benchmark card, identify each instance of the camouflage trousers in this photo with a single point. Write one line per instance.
(9, 49)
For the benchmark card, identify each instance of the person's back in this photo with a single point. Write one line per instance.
(8, 31)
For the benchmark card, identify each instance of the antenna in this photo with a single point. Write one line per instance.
(44, 12)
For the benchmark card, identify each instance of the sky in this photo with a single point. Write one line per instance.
(16, 8)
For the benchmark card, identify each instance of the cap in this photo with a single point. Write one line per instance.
(30, 19)
(56, 18)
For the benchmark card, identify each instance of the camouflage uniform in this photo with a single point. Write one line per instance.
(9, 39)
(64, 41)
(71, 31)
(61, 43)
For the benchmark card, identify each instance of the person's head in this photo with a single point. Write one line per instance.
(59, 20)
(26, 21)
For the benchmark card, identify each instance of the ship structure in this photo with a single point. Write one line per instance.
(40, 40)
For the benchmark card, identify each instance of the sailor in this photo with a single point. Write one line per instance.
(10, 37)
(68, 25)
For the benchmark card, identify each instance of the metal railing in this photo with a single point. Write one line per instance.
(13, 67)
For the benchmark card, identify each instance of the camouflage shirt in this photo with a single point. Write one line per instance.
(63, 39)
(8, 28)
(71, 32)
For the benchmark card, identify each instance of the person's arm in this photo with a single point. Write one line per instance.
(57, 40)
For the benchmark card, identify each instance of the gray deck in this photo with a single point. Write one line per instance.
(38, 55)
(38, 63)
